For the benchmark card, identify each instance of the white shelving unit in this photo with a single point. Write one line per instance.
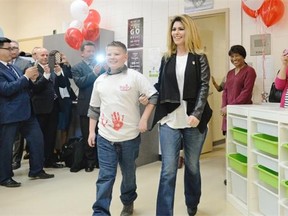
(257, 159)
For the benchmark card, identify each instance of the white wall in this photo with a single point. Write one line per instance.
(32, 18)
(7, 20)
(279, 41)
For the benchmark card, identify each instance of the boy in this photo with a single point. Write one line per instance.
(114, 103)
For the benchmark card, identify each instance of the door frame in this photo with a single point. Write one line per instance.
(216, 121)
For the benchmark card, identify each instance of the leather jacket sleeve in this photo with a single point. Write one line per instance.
(204, 87)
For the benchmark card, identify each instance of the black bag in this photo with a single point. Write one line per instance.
(73, 154)
(274, 94)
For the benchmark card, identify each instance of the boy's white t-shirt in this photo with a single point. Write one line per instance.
(117, 96)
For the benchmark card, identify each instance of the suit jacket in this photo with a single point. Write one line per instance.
(43, 92)
(64, 82)
(22, 63)
(15, 103)
(84, 78)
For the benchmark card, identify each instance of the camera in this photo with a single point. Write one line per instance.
(54, 58)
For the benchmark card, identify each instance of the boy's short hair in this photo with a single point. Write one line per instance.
(117, 44)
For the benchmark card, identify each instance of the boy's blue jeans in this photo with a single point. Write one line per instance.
(109, 155)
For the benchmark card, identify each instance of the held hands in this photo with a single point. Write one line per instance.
(193, 121)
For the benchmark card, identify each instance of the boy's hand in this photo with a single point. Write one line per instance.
(91, 139)
(142, 125)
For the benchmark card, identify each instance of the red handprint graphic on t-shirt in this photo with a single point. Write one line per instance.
(103, 120)
(117, 122)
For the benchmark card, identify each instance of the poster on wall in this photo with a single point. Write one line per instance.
(197, 5)
(154, 61)
(135, 33)
(135, 60)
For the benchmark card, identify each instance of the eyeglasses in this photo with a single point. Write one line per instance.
(9, 48)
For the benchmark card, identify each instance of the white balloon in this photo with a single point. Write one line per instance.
(253, 4)
(76, 24)
(79, 10)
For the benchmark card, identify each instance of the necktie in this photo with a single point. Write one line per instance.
(13, 71)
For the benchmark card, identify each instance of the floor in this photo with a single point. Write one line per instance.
(72, 194)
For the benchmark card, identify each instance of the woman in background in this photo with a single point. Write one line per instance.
(281, 82)
(239, 83)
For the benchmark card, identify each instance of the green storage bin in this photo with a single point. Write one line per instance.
(266, 143)
(238, 163)
(239, 134)
(284, 183)
(267, 176)
(285, 146)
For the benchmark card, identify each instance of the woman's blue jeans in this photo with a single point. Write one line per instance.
(170, 141)
(109, 155)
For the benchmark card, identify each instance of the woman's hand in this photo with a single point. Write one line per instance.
(223, 111)
(284, 59)
(193, 121)
(143, 99)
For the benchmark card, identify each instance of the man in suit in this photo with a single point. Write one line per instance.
(16, 115)
(84, 77)
(34, 52)
(22, 64)
(17, 60)
(45, 104)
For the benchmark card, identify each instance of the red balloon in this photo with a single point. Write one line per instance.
(248, 11)
(93, 16)
(91, 31)
(89, 2)
(272, 11)
(74, 38)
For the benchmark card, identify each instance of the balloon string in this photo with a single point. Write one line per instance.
(262, 31)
